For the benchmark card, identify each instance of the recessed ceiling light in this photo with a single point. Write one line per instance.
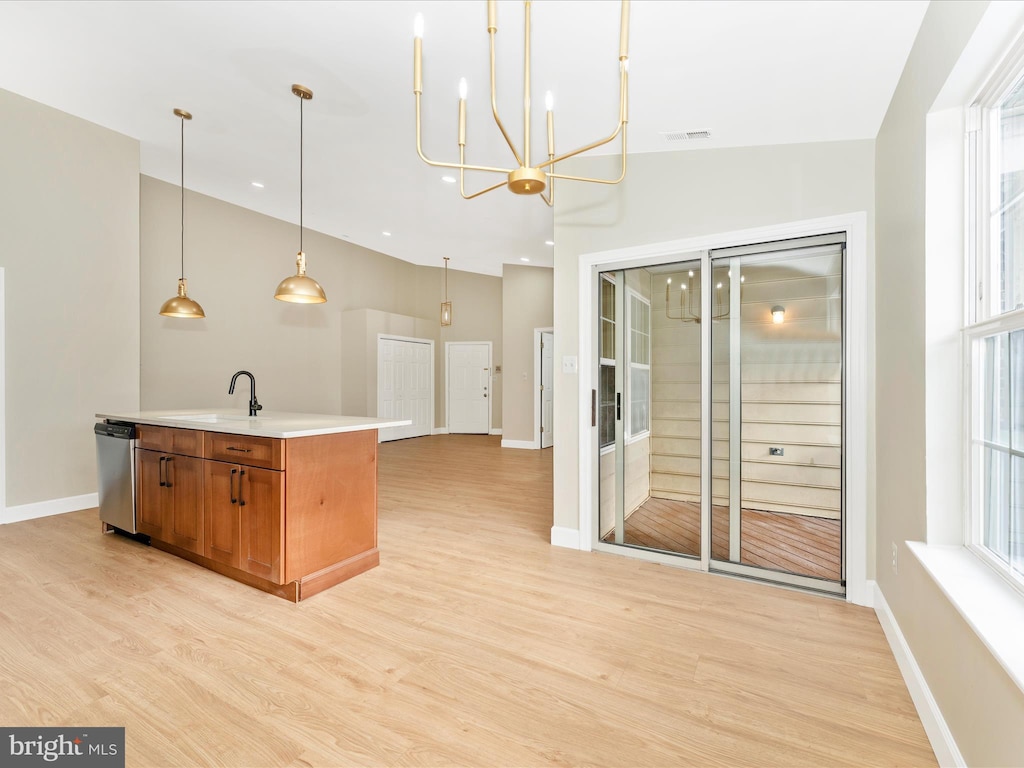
(524, 258)
(258, 184)
(386, 234)
(549, 242)
(448, 179)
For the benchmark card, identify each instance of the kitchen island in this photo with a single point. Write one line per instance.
(284, 502)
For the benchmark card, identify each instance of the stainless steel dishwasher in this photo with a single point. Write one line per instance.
(115, 465)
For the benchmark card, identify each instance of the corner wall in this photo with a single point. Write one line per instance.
(528, 302)
(69, 246)
(978, 701)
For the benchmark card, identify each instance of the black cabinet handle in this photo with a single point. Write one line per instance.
(618, 406)
(238, 450)
(241, 501)
(231, 484)
(167, 471)
(162, 481)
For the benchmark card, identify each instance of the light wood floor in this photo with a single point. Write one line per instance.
(809, 546)
(474, 643)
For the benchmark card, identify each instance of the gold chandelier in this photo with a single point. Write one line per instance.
(526, 178)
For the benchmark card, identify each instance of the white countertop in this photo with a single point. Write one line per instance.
(267, 424)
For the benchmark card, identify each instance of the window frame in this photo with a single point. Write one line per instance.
(982, 317)
(630, 436)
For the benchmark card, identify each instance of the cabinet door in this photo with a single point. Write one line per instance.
(149, 489)
(221, 491)
(261, 516)
(183, 476)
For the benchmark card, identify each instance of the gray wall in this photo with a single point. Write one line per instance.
(674, 195)
(69, 246)
(981, 705)
(234, 259)
(528, 302)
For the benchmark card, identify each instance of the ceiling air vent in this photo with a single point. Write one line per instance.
(685, 135)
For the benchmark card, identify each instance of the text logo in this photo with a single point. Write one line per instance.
(70, 747)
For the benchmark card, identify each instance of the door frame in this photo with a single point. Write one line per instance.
(537, 335)
(396, 337)
(856, 363)
(490, 382)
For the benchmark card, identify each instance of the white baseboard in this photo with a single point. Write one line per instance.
(496, 431)
(439, 431)
(49, 507)
(518, 444)
(946, 751)
(565, 537)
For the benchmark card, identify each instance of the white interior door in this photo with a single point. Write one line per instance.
(404, 386)
(547, 392)
(469, 379)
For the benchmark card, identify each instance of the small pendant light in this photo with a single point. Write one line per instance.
(181, 305)
(300, 288)
(446, 306)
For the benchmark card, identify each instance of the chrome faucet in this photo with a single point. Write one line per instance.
(254, 404)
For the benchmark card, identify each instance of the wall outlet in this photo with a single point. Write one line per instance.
(895, 560)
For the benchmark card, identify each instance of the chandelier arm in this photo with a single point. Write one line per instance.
(622, 175)
(549, 198)
(494, 106)
(462, 178)
(620, 128)
(438, 164)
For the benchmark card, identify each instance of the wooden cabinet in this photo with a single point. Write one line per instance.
(169, 504)
(289, 516)
(245, 518)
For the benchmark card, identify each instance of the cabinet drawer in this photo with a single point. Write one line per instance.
(265, 452)
(186, 442)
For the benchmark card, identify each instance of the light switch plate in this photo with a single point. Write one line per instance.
(569, 364)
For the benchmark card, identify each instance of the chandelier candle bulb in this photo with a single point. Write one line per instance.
(417, 54)
(549, 104)
(462, 112)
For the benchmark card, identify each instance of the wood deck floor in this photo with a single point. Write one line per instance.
(475, 642)
(808, 546)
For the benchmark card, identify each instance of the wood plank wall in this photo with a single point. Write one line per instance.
(791, 389)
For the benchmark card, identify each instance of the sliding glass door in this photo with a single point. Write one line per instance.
(735, 464)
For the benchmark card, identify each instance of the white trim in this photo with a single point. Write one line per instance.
(537, 337)
(50, 507)
(518, 444)
(394, 337)
(941, 738)
(439, 431)
(490, 380)
(565, 537)
(855, 226)
(496, 431)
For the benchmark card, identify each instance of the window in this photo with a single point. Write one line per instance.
(639, 356)
(995, 335)
(606, 414)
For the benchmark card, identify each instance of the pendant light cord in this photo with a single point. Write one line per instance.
(183, 198)
(301, 134)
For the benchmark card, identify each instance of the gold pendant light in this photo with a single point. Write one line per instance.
(300, 288)
(446, 306)
(181, 305)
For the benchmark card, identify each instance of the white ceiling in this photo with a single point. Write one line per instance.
(750, 72)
